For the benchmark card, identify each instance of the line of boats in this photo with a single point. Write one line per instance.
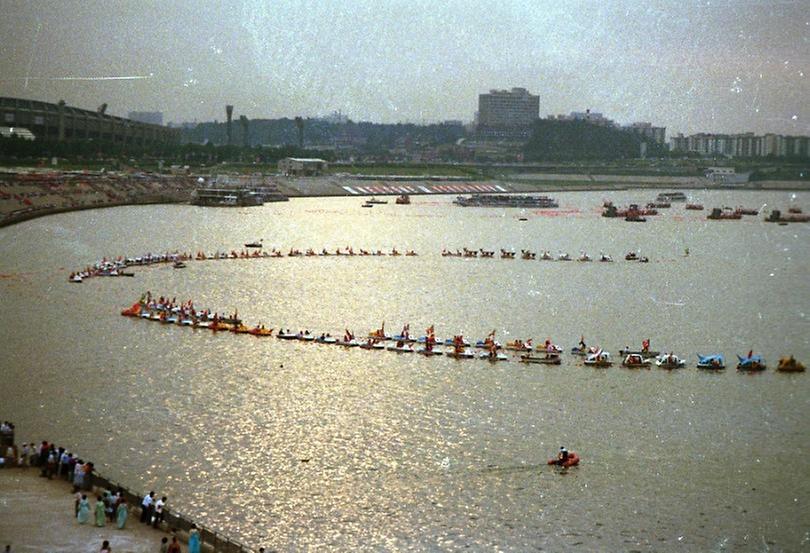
(542, 256)
(638, 214)
(116, 267)
(167, 312)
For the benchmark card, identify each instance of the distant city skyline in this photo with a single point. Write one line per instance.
(717, 66)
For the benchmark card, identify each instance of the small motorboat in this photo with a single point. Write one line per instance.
(372, 344)
(77, 279)
(178, 265)
(452, 342)
(403, 200)
(635, 219)
(718, 214)
(367, 205)
(401, 347)
(241, 329)
(254, 244)
(541, 360)
(546, 256)
(402, 338)
(493, 356)
(325, 339)
(644, 351)
(286, 335)
(563, 256)
(789, 365)
(694, 207)
(519, 345)
(605, 258)
(461, 354)
(428, 352)
(669, 361)
(487, 344)
(580, 350)
(375, 201)
(571, 461)
(348, 343)
(631, 256)
(599, 359)
(751, 363)
(713, 361)
(636, 361)
(584, 257)
(261, 331)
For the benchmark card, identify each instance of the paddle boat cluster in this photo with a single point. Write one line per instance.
(116, 266)
(166, 311)
(529, 255)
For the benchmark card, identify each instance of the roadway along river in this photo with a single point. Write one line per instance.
(430, 454)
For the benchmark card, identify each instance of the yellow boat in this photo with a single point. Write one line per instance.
(789, 365)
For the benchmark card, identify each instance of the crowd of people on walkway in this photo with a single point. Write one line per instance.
(108, 507)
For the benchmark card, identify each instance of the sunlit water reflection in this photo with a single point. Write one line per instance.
(299, 446)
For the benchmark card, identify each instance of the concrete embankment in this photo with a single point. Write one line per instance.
(26, 195)
(36, 514)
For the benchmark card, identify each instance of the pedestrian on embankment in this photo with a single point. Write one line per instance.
(101, 516)
(164, 545)
(146, 507)
(174, 547)
(78, 476)
(105, 547)
(83, 514)
(121, 512)
(157, 518)
(194, 540)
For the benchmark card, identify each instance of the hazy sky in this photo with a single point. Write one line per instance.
(711, 65)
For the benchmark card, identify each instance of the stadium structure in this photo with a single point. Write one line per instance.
(63, 123)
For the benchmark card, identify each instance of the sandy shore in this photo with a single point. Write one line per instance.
(36, 515)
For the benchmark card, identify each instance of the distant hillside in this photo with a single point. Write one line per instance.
(578, 140)
(366, 136)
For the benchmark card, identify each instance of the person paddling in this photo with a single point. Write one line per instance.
(562, 456)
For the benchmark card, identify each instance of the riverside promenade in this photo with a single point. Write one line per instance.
(36, 515)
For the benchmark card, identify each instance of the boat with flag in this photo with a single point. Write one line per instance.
(751, 362)
(645, 350)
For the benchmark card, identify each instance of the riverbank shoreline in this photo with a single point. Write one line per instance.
(30, 195)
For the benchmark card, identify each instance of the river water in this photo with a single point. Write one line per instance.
(299, 446)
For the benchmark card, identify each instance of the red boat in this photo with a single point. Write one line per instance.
(572, 461)
(718, 214)
(695, 207)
